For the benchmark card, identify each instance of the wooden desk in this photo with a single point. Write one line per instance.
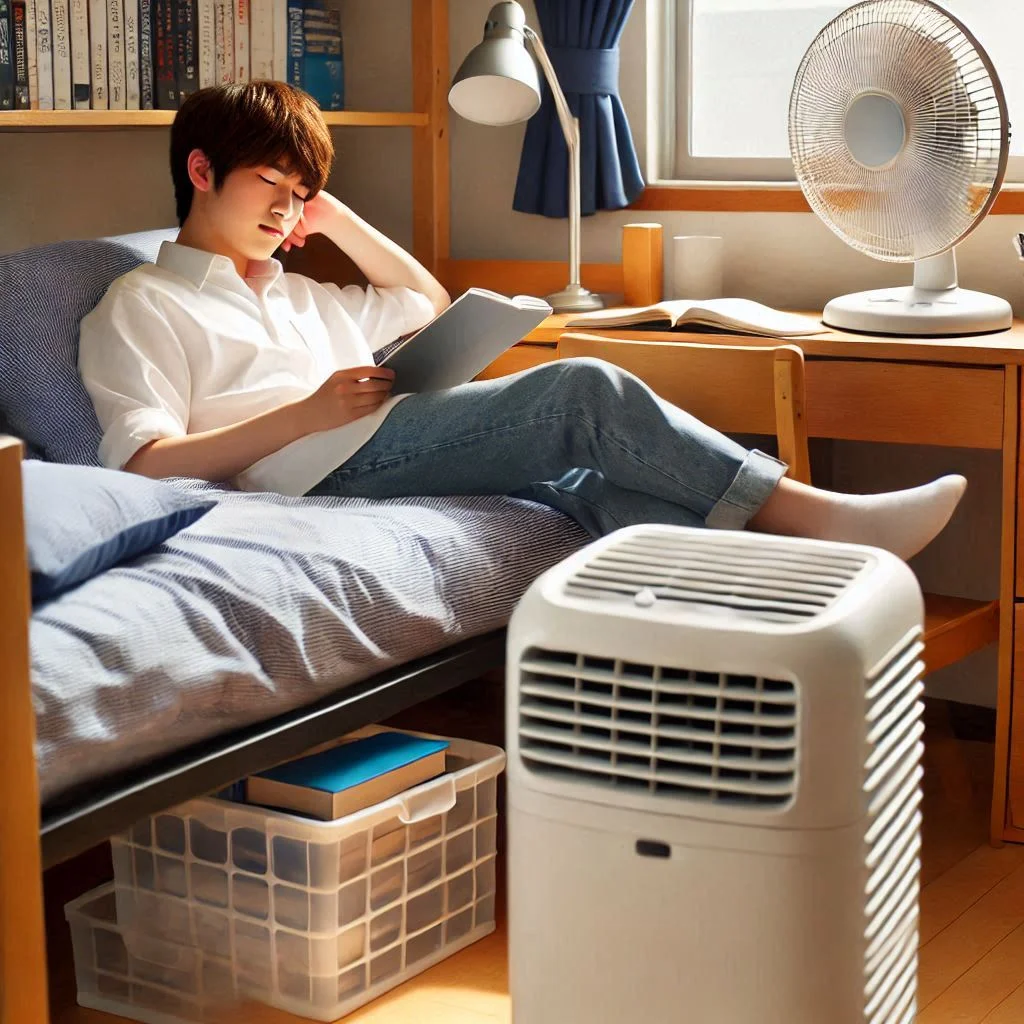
(955, 392)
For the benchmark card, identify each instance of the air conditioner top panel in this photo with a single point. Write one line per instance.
(724, 573)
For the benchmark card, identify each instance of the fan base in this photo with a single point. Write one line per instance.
(919, 311)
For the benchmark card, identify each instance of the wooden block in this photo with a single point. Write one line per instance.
(642, 264)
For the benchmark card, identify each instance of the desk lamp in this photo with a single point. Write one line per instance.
(498, 84)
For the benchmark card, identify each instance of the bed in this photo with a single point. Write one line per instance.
(268, 626)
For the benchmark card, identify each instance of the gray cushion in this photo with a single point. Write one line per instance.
(44, 293)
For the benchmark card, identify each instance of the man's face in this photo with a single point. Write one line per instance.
(256, 208)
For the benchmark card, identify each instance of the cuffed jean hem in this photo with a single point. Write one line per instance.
(752, 486)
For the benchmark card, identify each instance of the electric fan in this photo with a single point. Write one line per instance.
(899, 136)
(714, 783)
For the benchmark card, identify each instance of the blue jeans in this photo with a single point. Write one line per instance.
(580, 435)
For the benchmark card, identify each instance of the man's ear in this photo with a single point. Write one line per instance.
(200, 173)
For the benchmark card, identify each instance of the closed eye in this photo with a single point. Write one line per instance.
(301, 199)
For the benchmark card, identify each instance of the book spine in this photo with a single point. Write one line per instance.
(163, 45)
(80, 69)
(132, 96)
(146, 94)
(115, 54)
(261, 39)
(6, 58)
(61, 55)
(296, 45)
(241, 73)
(186, 72)
(224, 16)
(280, 41)
(33, 57)
(20, 56)
(98, 54)
(207, 42)
(44, 54)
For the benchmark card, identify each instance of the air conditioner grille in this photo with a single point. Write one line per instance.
(892, 787)
(670, 732)
(785, 584)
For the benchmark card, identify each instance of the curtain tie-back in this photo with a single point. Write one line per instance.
(586, 72)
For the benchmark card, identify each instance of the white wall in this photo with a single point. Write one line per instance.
(83, 184)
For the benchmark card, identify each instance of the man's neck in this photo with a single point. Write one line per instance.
(198, 236)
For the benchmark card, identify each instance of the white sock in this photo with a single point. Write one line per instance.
(902, 522)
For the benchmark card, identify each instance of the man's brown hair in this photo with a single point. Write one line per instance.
(250, 124)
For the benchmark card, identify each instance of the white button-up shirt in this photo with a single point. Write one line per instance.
(186, 345)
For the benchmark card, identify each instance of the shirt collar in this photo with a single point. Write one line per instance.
(197, 265)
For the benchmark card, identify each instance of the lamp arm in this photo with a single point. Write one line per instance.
(570, 126)
(571, 131)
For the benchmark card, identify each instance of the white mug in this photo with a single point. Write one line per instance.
(696, 267)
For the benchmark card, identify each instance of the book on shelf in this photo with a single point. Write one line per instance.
(44, 55)
(20, 55)
(350, 777)
(186, 54)
(165, 89)
(261, 39)
(33, 59)
(224, 36)
(81, 70)
(281, 41)
(743, 316)
(116, 85)
(6, 58)
(241, 67)
(60, 14)
(295, 43)
(99, 96)
(132, 68)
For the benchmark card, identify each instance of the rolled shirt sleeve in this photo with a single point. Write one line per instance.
(135, 372)
(383, 314)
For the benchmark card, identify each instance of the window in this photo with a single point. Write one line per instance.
(721, 73)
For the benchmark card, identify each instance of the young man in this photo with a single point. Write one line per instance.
(212, 363)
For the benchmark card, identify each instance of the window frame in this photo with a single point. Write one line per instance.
(667, 170)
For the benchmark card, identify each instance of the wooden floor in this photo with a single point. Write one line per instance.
(972, 905)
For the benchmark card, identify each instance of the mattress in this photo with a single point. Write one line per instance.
(265, 604)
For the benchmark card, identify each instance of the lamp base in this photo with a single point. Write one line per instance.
(574, 299)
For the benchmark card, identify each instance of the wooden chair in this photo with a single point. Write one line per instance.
(760, 390)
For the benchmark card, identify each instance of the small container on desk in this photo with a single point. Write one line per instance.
(214, 900)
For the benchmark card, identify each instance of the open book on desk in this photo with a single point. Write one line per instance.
(463, 340)
(741, 315)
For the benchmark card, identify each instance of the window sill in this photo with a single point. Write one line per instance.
(764, 197)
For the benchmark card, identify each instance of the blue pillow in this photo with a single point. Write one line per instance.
(44, 293)
(81, 520)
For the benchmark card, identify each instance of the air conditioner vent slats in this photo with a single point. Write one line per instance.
(672, 732)
(789, 585)
(892, 775)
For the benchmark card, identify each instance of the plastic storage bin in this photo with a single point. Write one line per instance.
(312, 917)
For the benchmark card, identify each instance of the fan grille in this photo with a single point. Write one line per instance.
(946, 176)
(668, 732)
(892, 786)
(783, 584)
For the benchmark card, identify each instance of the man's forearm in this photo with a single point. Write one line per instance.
(385, 263)
(222, 453)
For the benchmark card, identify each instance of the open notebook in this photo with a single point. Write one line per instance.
(742, 315)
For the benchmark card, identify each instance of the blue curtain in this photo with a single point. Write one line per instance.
(582, 39)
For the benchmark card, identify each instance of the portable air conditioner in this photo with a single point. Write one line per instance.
(714, 777)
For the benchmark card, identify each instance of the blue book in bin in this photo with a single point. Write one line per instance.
(349, 777)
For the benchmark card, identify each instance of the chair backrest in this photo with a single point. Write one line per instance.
(737, 389)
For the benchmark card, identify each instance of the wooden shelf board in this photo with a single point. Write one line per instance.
(24, 120)
(955, 627)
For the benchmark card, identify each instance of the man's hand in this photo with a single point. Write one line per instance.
(345, 396)
(317, 215)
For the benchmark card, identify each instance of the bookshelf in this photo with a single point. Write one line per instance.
(85, 120)
(428, 122)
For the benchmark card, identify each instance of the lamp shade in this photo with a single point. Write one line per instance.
(498, 82)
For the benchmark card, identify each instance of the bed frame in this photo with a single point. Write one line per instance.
(31, 840)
